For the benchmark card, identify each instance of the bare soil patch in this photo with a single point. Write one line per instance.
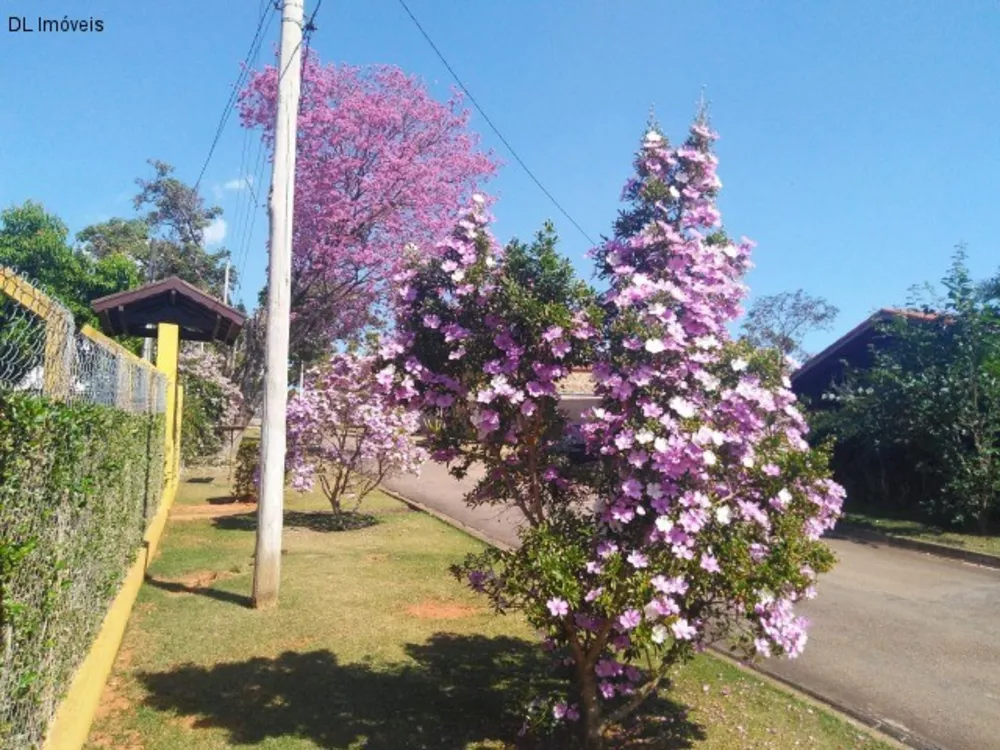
(442, 610)
(197, 512)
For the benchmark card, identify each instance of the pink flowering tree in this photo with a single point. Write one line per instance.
(212, 403)
(381, 164)
(701, 515)
(345, 434)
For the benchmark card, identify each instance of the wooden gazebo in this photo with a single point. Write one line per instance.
(197, 315)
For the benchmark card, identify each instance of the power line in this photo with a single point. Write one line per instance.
(250, 203)
(493, 127)
(255, 43)
(307, 31)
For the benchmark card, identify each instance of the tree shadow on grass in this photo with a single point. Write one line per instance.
(457, 691)
(322, 521)
(221, 595)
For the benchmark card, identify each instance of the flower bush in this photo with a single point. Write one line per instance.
(211, 402)
(345, 433)
(701, 517)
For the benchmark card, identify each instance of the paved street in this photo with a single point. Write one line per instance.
(911, 639)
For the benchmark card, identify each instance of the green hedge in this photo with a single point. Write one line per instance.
(78, 486)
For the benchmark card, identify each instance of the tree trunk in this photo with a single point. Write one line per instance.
(593, 737)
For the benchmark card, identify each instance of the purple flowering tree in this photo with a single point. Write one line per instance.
(700, 517)
(345, 434)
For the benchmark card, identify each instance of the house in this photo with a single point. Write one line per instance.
(853, 349)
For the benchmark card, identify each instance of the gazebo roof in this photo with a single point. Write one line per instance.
(199, 316)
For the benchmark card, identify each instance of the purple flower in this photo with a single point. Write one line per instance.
(638, 560)
(682, 630)
(710, 564)
(630, 619)
(552, 333)
(558, 607)
(560, 348)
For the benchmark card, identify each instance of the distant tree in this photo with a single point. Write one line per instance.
(782, 321)
(34, 243)
(177, 218)
(381, 164)
(128, 237)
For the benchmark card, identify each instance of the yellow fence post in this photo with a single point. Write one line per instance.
(167, 344)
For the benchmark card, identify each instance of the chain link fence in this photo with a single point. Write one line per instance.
(82, 433)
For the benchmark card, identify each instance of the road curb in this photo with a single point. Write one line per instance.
(855, 533)
(869, 721)
(465, 528)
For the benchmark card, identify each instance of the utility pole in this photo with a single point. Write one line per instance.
(267, 562)
(147, 341)
(225, 285)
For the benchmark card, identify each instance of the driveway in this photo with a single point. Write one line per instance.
(904, 637)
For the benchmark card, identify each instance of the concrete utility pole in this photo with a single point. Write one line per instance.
(225, 285)
(267, 564)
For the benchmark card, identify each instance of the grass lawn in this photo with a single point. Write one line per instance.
(923, 532)
(373, 646)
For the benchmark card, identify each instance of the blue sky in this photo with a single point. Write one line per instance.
(860, 141)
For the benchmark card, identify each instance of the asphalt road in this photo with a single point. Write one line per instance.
(906, 638)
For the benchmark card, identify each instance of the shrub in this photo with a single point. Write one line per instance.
(701, 516)
(247, 468)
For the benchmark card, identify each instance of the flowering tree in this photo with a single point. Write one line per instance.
(380, 164)
(212, 402)
(702, 517)
(344, 432)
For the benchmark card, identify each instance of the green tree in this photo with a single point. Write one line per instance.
(177, 218)
(920, 430)
(128, 237)
(34, 243)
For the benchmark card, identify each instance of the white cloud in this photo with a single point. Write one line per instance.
(215, 232)
(240, 183)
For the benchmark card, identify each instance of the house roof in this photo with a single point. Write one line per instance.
(854, 347)
(199, 316)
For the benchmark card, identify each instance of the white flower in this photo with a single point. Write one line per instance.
(653, 138)
(683, 408)
(723, 514)
(654, 346)
(659, 634)
(739, 364)
(490, 262)
(674, 192)
(660, 445)
(478, 199)
(458, 275)
(731, 251)
(644, 436)
(664, 524)
(709, 458)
